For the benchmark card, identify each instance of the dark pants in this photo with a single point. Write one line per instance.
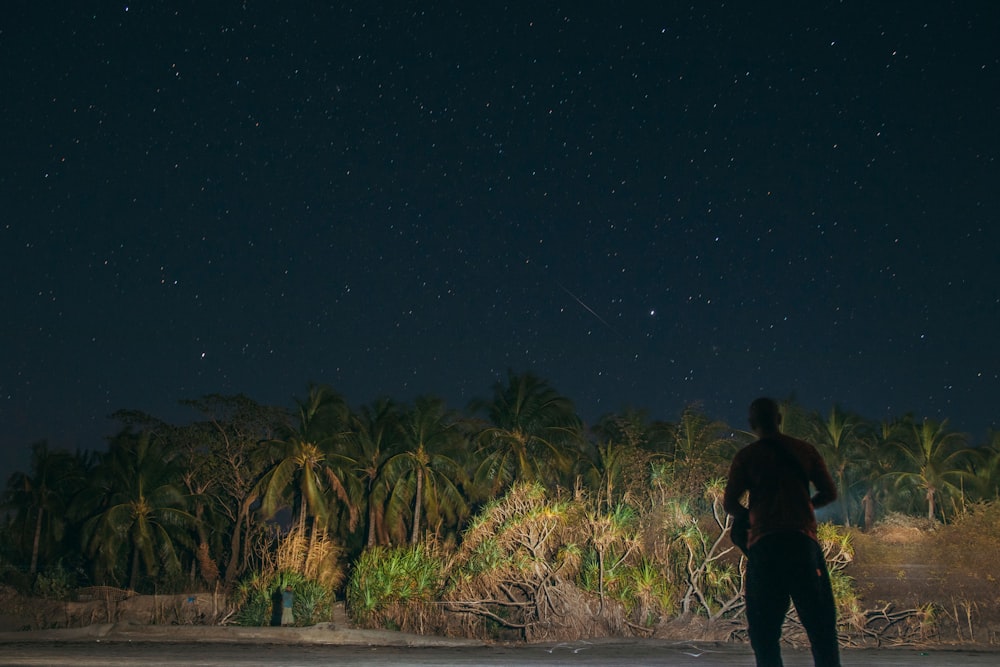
(783, 567)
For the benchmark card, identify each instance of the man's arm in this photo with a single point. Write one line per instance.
(826, 489)
(736, 486)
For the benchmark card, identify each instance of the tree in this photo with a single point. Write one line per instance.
(934, 457)
(988, 467)
(306, 473)
(516, 560)
(876, 459)
(425, 479)
(611, 533)
(41, 497)
(534, 434)
(838, 438)
(223, 465)
(373, 438)
(139, 508)
(698, 450)
(616, 465)
(630, 427)
(795, 420)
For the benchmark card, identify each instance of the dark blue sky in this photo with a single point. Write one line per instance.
(646, 207)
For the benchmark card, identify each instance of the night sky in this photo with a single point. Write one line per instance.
(647, 207)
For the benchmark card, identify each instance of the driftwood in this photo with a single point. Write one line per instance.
(896, 627)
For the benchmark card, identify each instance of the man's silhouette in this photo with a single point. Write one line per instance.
(784, 561)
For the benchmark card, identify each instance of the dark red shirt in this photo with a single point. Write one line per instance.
(779, 491)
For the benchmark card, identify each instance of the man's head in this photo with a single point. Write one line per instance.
(765, 415)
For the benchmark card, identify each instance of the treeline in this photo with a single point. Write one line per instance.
(206, 505)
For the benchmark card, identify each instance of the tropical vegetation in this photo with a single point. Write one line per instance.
(503, 518)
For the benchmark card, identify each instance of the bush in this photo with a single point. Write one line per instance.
(394, 588)
(56, 583)
(313, 603)
(253, 599)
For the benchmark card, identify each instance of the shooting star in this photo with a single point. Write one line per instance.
(527, 260)
(588, 308)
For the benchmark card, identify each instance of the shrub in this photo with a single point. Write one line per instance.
(56, 583)
(253, 599)
(394, 588)
(313, 603)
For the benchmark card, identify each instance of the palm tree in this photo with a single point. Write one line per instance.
(534, 434)
(876, 460)
(306, 473)
(630, 427)
(616, 465)
(838, 439)
(424, 477)
(988, 467)
(373, 438)
(935, 458)
(41, 497)
(795, 420)
(699, 449)
(140, 507)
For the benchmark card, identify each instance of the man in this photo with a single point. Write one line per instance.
(287, 602)
(784, 558)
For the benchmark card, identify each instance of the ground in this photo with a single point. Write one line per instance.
(946, 573)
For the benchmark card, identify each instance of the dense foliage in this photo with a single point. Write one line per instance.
(513, 502)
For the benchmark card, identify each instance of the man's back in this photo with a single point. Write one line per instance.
(777, 470)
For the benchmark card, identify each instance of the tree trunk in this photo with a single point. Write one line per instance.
(37, 541)
(233, 569)
(868, 503)
(371, 521)
(134, 576)
(417, 504)
(842, 486)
